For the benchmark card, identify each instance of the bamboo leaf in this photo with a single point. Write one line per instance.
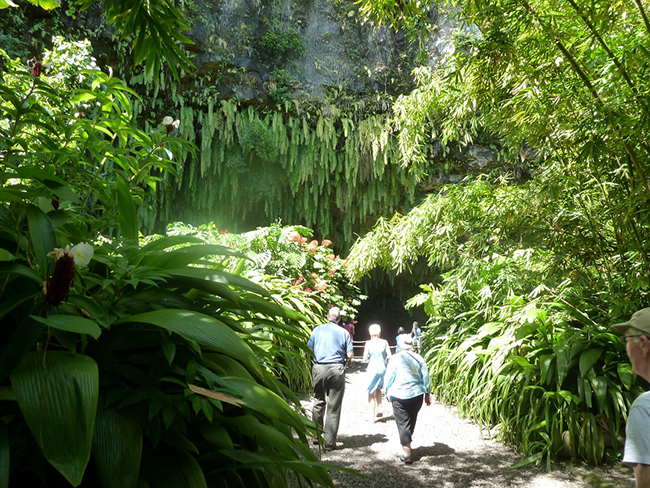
(57, 394)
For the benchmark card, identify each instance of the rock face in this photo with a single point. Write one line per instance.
(298, 49)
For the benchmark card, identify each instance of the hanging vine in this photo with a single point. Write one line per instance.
(335, 172)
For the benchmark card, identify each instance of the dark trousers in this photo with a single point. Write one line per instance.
(329, 386)
(406, 414)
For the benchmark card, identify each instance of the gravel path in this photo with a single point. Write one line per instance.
(447, 452)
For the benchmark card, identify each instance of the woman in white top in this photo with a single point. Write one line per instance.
(376, 352)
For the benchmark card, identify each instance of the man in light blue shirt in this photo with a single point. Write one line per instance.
(332, 348)
(636, 332)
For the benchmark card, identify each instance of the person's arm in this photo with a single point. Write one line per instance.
(389, 377)
(642, 474)
(388, 353)
(365, 352)
(424, 371)
(349, 349)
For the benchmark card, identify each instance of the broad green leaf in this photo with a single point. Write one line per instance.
(6, 255)
(20, 342)
(5, 4)
(587, 360)
(221, 277)
(19, 269)
(262, 400)
(625, 374)
(71, 323)
(57, 394)
(4, 456)
(216, 436)
(599, 387)
(42, 235)
(126, 211)
(170, 241)
(117, 448)
(187, 255)
(203, 329)
(174, 468)
(45, 4)
(93, 308)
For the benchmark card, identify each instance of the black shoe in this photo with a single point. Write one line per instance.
(406, 459)
(314, 440)
(329, 447)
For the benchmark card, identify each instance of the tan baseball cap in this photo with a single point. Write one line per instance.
(640, 321)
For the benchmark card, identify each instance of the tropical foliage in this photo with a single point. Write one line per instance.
(518, 334)
(145, 355)
(298, 271)
(535, 272)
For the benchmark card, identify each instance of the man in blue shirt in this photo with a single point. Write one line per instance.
(636, 332)
(332, 347)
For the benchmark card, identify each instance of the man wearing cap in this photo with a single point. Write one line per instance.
(332, 348)
(637, 433)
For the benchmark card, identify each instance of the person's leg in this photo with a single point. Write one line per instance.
(318, 410)
(335, 391)
(401, 415)
(378, 399)
(413, 405)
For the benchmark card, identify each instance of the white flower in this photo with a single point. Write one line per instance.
(82, 253)
(167, 120)
(558, 61)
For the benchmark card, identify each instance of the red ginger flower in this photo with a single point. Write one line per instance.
(59, 284)
(326, 243)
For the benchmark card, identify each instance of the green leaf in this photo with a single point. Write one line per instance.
(625, 374)
(57, 394)
(22, 341)
(5, 4)
(126, 211)
(174, 468)
(262, 400)
(71, 323)
(203, 329)
(4, 456)
(42, 235)
(19, 269)
(6, 255)
(216, 436)
(45, 4)
(220, 277)
(117, 448)
(587, 360)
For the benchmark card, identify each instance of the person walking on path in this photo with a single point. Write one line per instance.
(416, 334)
(407, 385)
(332, 348)
(637, 441)
(400, 333)
(376, 352)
